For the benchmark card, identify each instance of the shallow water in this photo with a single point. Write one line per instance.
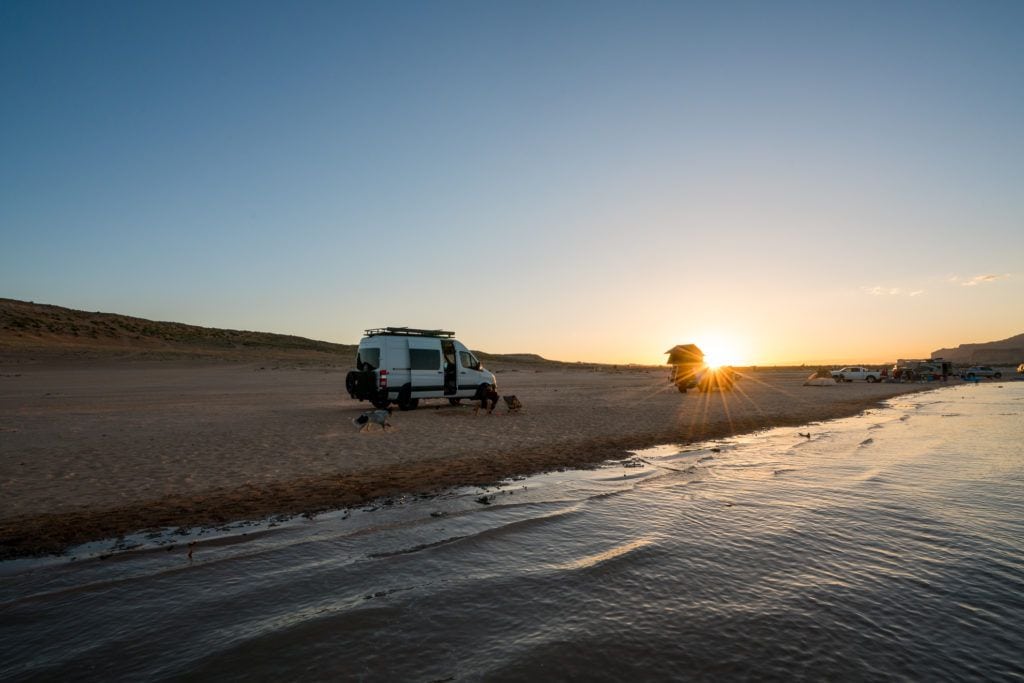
(889, 545)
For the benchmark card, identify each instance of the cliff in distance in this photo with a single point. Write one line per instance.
(1004, 352)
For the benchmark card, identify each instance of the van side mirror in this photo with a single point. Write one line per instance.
(478, 366)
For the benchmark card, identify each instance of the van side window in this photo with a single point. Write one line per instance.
(467, 359)
(424, 359)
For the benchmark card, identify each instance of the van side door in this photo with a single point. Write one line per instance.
(425, 370)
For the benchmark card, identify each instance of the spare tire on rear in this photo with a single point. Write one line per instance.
(361, 385)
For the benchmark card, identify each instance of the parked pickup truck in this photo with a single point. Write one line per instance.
(854, 372)
(980, 371)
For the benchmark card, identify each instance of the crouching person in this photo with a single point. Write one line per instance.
(488, 397)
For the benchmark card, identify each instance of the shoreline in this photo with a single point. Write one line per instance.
(52, 533)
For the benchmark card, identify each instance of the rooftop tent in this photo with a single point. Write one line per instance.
(685, 353)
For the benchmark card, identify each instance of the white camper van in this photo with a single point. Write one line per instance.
(402, 365)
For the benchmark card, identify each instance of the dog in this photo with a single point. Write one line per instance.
(379, 417)
(513, 404)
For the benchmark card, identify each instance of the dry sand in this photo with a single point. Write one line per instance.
(94, 450)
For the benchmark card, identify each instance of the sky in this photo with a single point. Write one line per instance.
(778, 182)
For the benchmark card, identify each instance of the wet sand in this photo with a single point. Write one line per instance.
(94, 450)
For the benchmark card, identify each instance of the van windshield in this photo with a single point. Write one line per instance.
(368, 359)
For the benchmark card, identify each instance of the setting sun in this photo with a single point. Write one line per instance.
(719, 351)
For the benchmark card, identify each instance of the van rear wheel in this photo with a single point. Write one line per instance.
(455, 401)
(405, 399)
(380, 403)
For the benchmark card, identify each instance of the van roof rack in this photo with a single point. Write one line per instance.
(408, 332)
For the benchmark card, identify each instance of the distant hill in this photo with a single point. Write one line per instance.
(54, 330)
(40, 327)
(1004, 352)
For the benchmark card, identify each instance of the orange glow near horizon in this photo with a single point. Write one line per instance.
(788, 341)
(720, 350)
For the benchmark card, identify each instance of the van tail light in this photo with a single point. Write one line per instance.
(383, 379)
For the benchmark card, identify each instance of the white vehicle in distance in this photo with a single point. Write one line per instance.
(853, 372)
(402, 365)
(980, 371)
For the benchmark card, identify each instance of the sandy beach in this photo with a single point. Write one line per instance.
(93, 450)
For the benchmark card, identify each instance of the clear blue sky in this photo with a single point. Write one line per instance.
(588, 180)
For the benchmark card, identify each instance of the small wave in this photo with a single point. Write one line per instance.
(872, 475)
(605, 556)
(385, 593)
(628, 476)
(415, 548)
(532, 522)
(867, 442)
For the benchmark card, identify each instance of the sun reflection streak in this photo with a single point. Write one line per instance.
(737, 409)
(742, 393)
(732, 398)
(773, 387)
(725, 409)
